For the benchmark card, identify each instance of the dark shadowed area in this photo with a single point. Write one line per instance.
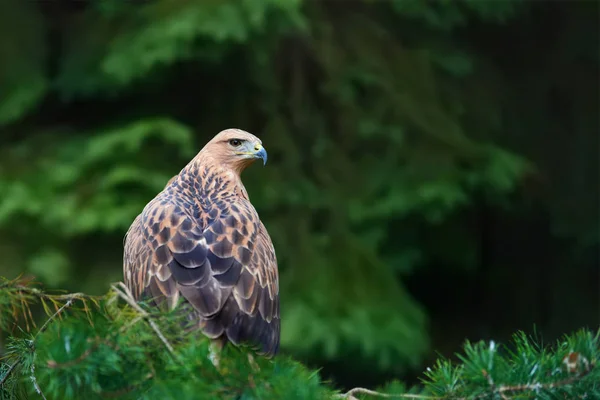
(433, 170)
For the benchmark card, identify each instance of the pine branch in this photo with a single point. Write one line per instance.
(10, 370)
(31, 342)
(17, 295)
(124, 292)
(109, 354)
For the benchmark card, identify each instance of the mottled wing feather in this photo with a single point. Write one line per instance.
(138, 268)
(222, 262)
(256, 294)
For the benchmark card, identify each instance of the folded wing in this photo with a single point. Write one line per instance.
(224, 267)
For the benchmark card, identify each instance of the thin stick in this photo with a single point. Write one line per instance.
(124, 292)
(535, 386)
(45, 326)
(34, 380)
(350, 394)
(41, 294)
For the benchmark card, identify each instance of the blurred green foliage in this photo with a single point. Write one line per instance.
(387, 125)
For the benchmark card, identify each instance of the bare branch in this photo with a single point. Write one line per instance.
(57, 313)
(124, 292)
(34, 380)
(537, 386)
(350, 395)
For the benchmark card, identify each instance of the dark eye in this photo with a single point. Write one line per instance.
(235, 142)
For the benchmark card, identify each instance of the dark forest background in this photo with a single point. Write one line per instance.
(433, 165)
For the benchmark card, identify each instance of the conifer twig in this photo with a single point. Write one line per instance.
(42, 329)
(33, 378)
(537, 386)
(57, 313)
(16, 285)
(358, 390)
(124, 292)
(71, 297)
(9, 371)
(500, 390)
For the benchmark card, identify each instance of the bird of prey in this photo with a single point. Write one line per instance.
(201, 240)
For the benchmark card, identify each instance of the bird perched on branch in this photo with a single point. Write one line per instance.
(201, 239)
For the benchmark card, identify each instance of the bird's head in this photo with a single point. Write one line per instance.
(235, 149)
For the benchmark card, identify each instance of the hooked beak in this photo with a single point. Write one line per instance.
(260, 152)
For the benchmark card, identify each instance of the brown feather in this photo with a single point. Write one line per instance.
(201, 238)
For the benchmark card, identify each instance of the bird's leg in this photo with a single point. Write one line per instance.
(215, 347)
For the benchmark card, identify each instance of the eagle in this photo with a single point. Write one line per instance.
(201, 241)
